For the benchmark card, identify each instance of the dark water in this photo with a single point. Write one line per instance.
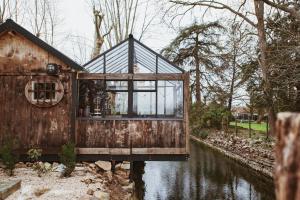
(206, 175)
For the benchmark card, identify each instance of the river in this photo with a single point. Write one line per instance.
(206, 175)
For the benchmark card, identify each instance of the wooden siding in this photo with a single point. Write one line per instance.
(130, 133)
(17, 54)
(30, 125)
(46, 128)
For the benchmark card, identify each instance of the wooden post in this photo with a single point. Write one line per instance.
(235, 128)
(287, 169)
(267, 127)
(249, 122)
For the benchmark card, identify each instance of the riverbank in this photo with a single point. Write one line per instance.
(255, 154)
(88, 181)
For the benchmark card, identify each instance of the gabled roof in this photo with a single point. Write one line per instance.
(131, 52)
(11, 25)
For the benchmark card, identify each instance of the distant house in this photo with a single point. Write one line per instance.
(243, 114)
(129, 103)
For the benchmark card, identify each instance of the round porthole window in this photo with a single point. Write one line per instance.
(44, 91)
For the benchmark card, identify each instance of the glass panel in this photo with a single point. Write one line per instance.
(170, 98)
(144, 103)
(94, 100)
(144, 85)
(44, 91)
(117, 103)
(145, 60)
(165, 67)
(96, 66)
(117, 59)
(116, 85)
(140, 68)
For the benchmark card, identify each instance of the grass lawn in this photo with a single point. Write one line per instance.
(254, 126)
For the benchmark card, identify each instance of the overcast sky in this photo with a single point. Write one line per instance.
(77, 20)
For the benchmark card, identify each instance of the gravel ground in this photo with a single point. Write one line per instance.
(51, 183)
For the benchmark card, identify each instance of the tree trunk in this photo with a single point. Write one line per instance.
(287, 150)
(259, 12)
(198, 92)
(232, 82)
(99, 39)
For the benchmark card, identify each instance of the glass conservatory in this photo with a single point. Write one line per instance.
(132, 102)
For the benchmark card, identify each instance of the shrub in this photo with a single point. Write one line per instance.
(68, 158)
(198, 132)
(34, 154)
(208, 116)
(203, 134)
(9, 159)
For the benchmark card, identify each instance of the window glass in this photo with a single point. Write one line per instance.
(43, 91)
(170, 98)
(144, 85)
(117, 103)
(144, 103)
(96, 100)
(116, 85)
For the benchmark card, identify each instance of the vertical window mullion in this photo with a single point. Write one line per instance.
(130, 98)
(156, 98)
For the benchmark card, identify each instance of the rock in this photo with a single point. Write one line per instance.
(108, 174)
(60, 168)
(92, 165)
(123, 173)
(129, 188)
(47, 166)
(79, 165)
(55, 165)
(92, 170)
(124, 182)
(125, 166)
(20, 165)
(88, 181)
(9, 187)
(29, 164)
(101, 195)
(118, 166)
(96, 186)
(80, 171)
(90, 192)
(104, 165)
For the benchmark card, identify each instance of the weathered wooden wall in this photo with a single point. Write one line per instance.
(17, 54)
(31, 125)
(287, 170)
(124, 133)
(46, 128)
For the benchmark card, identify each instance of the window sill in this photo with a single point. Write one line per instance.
(128, 118)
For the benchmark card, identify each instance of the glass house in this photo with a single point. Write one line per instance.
(133, 103)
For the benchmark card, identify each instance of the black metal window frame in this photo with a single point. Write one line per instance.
(130, 91)
(136, 51)
(36, 91)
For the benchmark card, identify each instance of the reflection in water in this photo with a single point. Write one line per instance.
(206, 175)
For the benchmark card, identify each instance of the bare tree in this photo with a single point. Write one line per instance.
(53, 20)
(99, 38)
(10, 9)
(114, 20)
(239, 51)
(43, 18)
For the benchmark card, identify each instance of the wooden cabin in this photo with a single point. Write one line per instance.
(129, 103)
